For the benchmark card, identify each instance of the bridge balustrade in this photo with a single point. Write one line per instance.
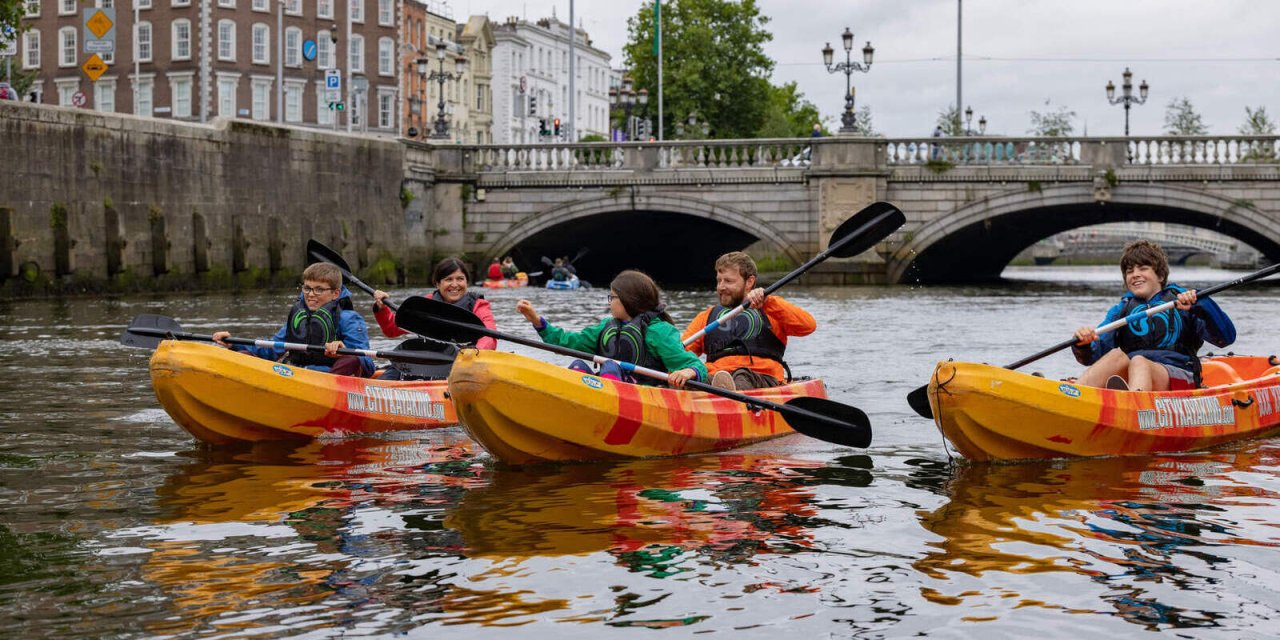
(1205, 150)
(699, 154)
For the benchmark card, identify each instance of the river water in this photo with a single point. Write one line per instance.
(117, 524)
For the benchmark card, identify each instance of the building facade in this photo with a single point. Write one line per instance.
(475, 121)
(200, 59)
(531, 83)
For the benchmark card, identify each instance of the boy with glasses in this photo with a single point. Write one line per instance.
(322, 315)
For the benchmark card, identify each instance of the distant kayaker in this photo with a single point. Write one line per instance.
(559, 271)
(746, 351)
(451, 278)
(509, 268)
(495, 270)
(636, 317)
(1156, 353)
(322, 315)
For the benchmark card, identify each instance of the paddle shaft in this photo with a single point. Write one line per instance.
(648, 373)
(289, 346)
(733, 313)
(1112, 326)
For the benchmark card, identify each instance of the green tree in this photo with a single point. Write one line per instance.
(1257, 123)
(949, 121)
(11, 12)
(713, 63)
(1051, 124)
(1181, 119)
(788, 115)
(862, 120)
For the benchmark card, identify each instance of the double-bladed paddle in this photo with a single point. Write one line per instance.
(857, 234)
(919, 398)
(320, 253)
(148, 330)
(815, 417)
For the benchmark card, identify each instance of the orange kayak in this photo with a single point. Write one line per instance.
(992, 413)
(221, 396)
(526, 411)
(521, 280)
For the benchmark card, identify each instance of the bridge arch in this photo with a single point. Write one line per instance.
(978, 240)
(746, 228)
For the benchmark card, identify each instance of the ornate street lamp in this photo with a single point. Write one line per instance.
(626, 98)
(460, 65)
(848, 67)
(968, 122)
(1127, 99)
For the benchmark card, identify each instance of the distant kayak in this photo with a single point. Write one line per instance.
(521, 280)
(571, 283)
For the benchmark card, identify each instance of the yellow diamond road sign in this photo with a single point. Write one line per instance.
(94, 67)
(99, 24)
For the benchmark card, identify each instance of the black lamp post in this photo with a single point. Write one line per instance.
(849, 121)
(626, 98)
(968, 122)
(1127, 99)
(441, 125)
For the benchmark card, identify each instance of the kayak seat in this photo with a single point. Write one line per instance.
(1214, 374)
(1271, 372)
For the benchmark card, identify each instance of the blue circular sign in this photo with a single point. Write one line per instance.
(309, 50)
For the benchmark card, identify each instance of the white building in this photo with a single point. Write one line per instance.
(531, 82)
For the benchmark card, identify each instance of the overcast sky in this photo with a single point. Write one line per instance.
(1018, 54)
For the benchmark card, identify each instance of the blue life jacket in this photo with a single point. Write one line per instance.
(1173, 336)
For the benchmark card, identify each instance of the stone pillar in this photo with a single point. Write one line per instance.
(848, 173)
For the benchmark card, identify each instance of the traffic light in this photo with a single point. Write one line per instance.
(542, 127)
(557, 123)
(337, 106)
(533, 105)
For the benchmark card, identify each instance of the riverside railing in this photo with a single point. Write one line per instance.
(797, 154)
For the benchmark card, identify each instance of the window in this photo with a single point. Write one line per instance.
(31, 49)
(181, 88)
(480, 98)
(67, 89)
(104, 95)
(261, 5)
(324, 49)
(33, 8)
(356, 54)
(386, 109)
(293, 101)
(144, 4)
(261, 44)
(226, 40)
(324, 8)
(386, 13)
(227, 96)
(105, 4)
(230, 4)
(180, 3)
(357, 10)
(386, 52)
(324, 115)
(144, 89)
(261, 98)
(293, 47)
(66, 8)
(143, 43)
(67, 47)
(181, 49)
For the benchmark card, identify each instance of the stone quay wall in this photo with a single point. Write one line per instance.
(92, 202)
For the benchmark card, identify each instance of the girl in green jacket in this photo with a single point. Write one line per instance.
(638, 330)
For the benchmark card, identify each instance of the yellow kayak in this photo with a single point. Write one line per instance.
(992, 413)
(526, 411)
(221, 396)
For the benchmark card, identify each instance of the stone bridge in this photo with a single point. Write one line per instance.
(971, 205)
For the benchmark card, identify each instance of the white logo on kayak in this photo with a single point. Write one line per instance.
(1186, 412)
(1268, 400)
(592, 382)
(398, 402)
(282, 370)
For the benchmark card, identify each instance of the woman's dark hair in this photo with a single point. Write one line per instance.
(1144, 253)
(446, 267)
(638, 294)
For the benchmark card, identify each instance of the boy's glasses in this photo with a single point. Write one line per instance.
(612, 297)
(315, 291)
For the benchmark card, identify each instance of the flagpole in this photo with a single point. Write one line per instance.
(657, 29)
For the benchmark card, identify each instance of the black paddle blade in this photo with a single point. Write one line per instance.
(424, 348)
(883, 218)
(439, 320)
(547, 261)
(153, 329)
(919, 401)
(320, 253)
(831, 421)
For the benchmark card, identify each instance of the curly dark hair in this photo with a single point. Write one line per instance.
(1144, 253)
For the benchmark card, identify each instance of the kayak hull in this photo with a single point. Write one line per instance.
(994, 414)
(524, 411)
(222, 397)
(520, 280)
(572, 283)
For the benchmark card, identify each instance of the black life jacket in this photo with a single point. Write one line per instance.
(1168, 337)
(624, 342)
(559, 274)
(467, 301)
(420, 371)
(747, 334)
(317, 327)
